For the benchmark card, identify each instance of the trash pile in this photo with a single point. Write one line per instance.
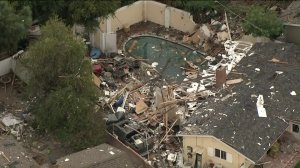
(146, 112)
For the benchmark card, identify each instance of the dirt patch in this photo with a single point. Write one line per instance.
(288, 155)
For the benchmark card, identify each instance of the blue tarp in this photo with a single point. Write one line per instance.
(95, 53)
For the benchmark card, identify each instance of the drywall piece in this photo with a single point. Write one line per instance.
(260, 106)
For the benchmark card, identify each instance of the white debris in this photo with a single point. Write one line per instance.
(257, 69)
(192, 106)
(210, 58)
(172, 157)
(131, 105)
(154, 64)
(111, 152)
(223, 27)
(278, 72)
(206, 32)
(293, 93)
(194, 87)
(67, 159)
(214, 22)
(260, 106)
(120, 109)
(149, 73)
(10, 120)
(106, 92)
(251, 54)
(272, 87)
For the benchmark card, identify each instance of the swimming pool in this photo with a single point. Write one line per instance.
(167, 55)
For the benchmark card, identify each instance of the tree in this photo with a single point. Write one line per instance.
(62, 84)
(262, 22)
(84, 12)
(202, 10)
(14, 25)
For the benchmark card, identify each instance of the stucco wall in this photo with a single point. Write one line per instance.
(155, 12)
(5, 66)
(127, 15)
(145, 11)
(204, 143)
(182, 20)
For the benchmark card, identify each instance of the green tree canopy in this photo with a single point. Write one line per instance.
(84, 12)
(262, 22)
(14, 25)
(62, 84)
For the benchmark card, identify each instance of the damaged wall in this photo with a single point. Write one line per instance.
(126, 16)
(144, 11)
(182, 20)
(155, 12)
(5, 66)
(206, 145)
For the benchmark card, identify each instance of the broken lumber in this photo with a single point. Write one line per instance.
(277, 61)
(167, 132)
(2, 153)
(234, 81)
(140, 107)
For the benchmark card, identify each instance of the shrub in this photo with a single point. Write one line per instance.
(261, 22)
(297, 165)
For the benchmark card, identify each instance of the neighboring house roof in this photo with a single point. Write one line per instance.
(102, 156)
(232, 115)
(15, 153)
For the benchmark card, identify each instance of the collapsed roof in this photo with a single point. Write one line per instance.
(271, 70)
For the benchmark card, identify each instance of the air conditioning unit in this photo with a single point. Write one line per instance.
(218, 165)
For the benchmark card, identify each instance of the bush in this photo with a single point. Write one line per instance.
(274, 150)
(261, 22)
(297, 165)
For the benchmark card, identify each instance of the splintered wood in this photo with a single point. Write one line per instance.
(277, 61)
(234, 81)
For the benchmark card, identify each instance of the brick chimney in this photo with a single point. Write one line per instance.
(220, 76)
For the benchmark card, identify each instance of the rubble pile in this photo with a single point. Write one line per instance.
(145, 112)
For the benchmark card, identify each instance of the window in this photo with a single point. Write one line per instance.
(217, 153)
(220, 154)
(223, 155)
(189, 151)
(296, 128)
